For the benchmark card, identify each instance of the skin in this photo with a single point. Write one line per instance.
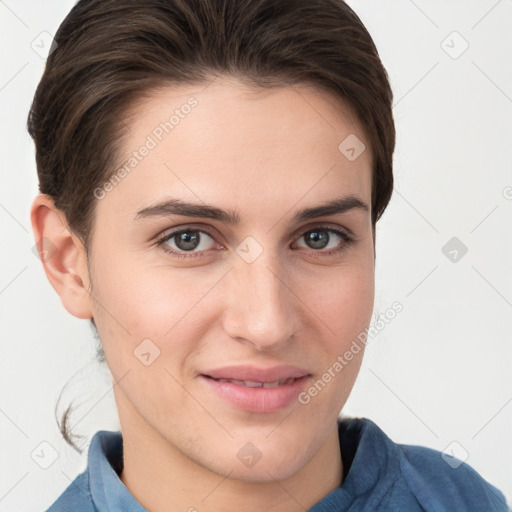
(264, 154)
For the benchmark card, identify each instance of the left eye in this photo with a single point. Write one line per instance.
(319, 238)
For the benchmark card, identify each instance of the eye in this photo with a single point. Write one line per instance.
(193, 242)
(187, 240)
(328, 238)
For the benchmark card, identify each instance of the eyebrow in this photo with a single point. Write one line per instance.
(179, 207)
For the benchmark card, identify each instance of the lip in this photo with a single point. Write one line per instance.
(257, 399)
(248, 372)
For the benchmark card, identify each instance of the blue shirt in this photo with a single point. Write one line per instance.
(379, 475)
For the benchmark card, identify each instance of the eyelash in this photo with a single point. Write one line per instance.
(161, 241)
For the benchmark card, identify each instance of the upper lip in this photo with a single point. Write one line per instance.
(253, 373)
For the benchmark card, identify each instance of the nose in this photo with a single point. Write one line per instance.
(260, 308)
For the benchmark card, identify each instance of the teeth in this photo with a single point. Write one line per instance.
(248, 383)
(278, 383)
(256, 384)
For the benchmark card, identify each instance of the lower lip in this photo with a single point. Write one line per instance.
(262, 400)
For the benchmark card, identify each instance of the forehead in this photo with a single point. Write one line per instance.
(230, 142)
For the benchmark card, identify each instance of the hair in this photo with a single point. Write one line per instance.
(110, 53)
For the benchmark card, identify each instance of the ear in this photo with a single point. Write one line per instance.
(62, 255)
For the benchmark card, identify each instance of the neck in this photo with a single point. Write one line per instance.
(161, 478)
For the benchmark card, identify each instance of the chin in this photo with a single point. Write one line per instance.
(263, 472)
(265, 464)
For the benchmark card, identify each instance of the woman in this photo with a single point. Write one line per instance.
(211, 175)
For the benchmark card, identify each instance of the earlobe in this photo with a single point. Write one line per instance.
(62, 255)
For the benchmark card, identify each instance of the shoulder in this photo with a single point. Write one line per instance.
(76, 497)
(417, 477)
(445, 483)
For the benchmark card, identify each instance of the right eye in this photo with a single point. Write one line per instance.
(180, 242)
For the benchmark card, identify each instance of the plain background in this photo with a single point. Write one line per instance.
(437, 375)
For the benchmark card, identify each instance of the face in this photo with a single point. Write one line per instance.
(178, 295)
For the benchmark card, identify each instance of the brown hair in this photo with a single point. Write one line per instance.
(109, 53)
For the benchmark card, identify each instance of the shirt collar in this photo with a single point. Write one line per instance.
(372, 461)
(365, 450)
(105, 463)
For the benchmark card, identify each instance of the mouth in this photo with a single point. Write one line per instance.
(257, 384)
(256, 396)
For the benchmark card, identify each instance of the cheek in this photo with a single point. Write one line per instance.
(150, 301)
(168, 306)
(144, 321)
(343, 299)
